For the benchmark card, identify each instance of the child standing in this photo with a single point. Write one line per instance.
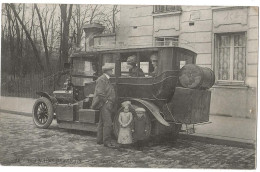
(125, 118)
(139, 134)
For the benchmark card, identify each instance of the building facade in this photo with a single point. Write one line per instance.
(224, 38)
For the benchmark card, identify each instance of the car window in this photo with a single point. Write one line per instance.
(124, 69)
(145, 66)
(146, 63)
(81, 67)
(109, 59)
(124, 65)
(83, 72)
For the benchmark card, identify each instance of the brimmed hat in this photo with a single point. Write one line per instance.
(131, 59)
(107, 67)
(139, 110)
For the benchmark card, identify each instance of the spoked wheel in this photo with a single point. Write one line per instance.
(148, 125)
(42, 113)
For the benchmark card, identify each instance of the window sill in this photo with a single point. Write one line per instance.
(231, 85)
(159, 14)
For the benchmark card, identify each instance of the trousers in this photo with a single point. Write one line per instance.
(105, 123)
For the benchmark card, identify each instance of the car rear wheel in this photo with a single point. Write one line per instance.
(42, 113)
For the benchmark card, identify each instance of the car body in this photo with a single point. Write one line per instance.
(168, 105)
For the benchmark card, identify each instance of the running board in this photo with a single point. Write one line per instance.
(78, 126)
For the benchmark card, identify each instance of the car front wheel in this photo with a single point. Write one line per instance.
(42, 113)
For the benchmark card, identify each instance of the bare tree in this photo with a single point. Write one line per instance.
(79, 19)
(44, 39)
(65, 17)
(11, 39)
(12, 6)
(114, 12)
(37, 40)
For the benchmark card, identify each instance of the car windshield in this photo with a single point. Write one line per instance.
(81, 67)
(83, 72)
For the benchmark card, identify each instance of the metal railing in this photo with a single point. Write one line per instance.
(28, 86)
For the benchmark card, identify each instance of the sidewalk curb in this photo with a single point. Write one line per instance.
(205, 139)
(16, 112)
(217, 141)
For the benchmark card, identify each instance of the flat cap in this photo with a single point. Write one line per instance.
(139, 110)
(107, 67)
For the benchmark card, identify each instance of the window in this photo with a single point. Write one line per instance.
(142, 59)
(166, 41)
(231, 55)
(109, 59)
(83, 72)
(81, 67)
(166, 8)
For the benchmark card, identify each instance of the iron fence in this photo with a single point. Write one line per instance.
(30, 84)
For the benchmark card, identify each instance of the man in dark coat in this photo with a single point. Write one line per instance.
(134, 71)
(104, 100)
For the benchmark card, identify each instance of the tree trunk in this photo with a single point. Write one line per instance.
(18, 51)
(113, 19)
(78, 26)
(28, 36)
(11, 40)
(44, 40)
(65, 33)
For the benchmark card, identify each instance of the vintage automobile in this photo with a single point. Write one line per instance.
(178, 94)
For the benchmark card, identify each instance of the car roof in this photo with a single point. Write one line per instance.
(93, 53)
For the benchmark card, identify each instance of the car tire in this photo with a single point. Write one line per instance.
(42, 113)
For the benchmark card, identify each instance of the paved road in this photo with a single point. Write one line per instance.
(21, 143)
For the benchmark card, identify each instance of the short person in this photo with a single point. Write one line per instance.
(139, 130)
(125, 119)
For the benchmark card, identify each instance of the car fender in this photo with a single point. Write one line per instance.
(46, 95)
(155, 111)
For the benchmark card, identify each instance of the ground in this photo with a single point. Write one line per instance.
(22, 144)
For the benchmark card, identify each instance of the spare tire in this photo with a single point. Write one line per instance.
(196, 77)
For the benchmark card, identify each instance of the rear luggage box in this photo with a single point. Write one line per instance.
(189, 106)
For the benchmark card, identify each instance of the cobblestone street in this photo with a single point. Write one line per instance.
(22, 144)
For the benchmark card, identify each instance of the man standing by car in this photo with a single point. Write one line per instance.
(104, 100)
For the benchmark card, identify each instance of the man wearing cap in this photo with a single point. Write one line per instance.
(134, 71)
(104, 99)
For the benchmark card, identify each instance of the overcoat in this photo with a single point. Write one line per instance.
(104, 91)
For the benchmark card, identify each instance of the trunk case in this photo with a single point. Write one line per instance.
(189, 106)
(88, 115)
(66, 112)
